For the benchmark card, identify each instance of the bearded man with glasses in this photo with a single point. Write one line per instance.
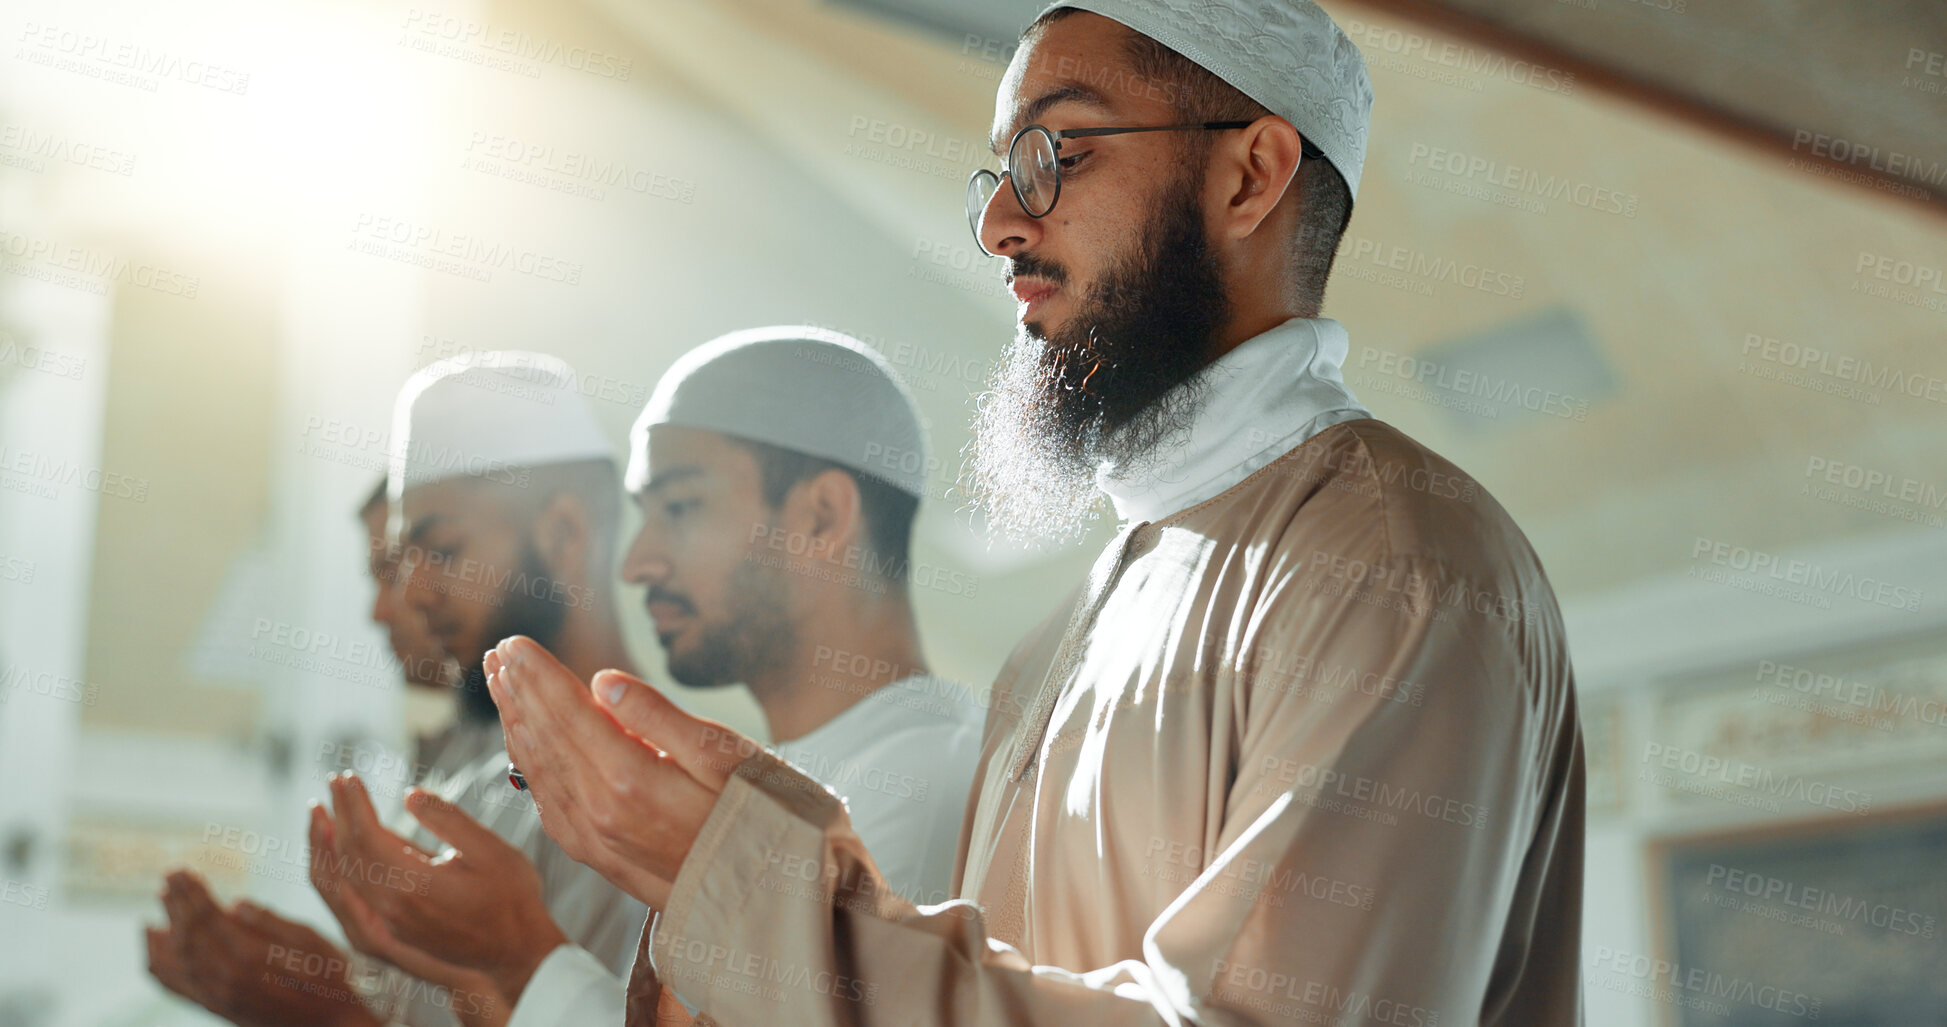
(1303, 748)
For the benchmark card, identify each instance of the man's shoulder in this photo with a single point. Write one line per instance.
(1363, 509)
(1365, 489)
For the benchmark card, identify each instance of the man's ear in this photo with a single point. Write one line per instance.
(1251, 171)
(830, 505)
(562, 533)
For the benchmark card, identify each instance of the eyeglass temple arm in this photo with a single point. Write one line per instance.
(1082, 133)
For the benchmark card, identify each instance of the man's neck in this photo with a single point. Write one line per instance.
(843, 655)
(1249, 319)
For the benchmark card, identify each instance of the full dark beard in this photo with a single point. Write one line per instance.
(1104, 385)
(526, 609)
(753, 636)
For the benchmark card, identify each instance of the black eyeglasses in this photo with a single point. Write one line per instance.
(1033, 167)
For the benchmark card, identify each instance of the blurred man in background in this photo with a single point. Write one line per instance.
(503, 514)
(1302, 748)
(209, 951)
(774, 551)
(474, 731)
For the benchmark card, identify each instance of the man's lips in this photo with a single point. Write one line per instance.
(665, 613)
(1032, 290)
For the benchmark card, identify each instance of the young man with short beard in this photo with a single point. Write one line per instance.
(1303, 747)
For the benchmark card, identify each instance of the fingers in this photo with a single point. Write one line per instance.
(527, 683)
(189, 901)
(374, 935)
(165, 961)
(358, 828)
(329, 887)
(322, 831)
(452, 825)
(353, 804)
(705, 749)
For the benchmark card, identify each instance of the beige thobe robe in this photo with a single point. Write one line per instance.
(1303, 752)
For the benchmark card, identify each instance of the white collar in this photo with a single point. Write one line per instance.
(1261, 399)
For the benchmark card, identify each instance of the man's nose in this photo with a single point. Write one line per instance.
(647, 561)
(415, 593)
(1005, 227)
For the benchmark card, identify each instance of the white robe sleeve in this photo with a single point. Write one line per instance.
(569, 989)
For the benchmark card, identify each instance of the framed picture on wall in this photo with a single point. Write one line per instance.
(1834, 921)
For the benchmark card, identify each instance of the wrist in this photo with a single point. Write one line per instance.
(512, 975)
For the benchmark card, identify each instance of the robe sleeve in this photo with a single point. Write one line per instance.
(1373, 851)
(571, 987)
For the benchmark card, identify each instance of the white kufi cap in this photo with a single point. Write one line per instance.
(798, 388)
(483, 414)
(1288, 55)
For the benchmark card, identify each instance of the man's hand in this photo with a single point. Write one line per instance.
(477, 907)
(248, 965)
(624, 779)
